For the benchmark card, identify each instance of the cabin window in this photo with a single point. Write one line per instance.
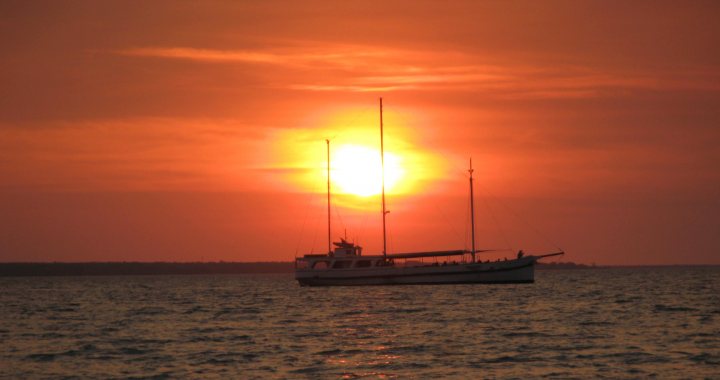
(385, 263)
(363, 264)
(320, 265)
(342, 264)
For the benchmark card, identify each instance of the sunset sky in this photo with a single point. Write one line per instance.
(195, 130)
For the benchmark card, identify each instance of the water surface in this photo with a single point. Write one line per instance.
(615, 323)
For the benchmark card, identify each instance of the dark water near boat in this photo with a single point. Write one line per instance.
(615, 323)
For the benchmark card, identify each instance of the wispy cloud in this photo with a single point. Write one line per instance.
(350, 68)
(337, 56)
(350, 88)
(207, 55)
(138, 154)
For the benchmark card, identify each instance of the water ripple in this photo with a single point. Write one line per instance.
(613, 323)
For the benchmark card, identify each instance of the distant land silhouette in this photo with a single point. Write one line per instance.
(171, 268)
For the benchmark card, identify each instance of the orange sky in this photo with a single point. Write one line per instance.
(184, 131)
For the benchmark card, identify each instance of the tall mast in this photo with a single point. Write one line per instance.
(472, 211)
(327, 141)
(382, 165)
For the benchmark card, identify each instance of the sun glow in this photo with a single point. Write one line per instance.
(357, 170)
(411, 164)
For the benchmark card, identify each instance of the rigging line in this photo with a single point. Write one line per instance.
(391, 241)
(358, 115)
(503, 234)
(453, 160)
(315, 233)
(363, 222)
(317, 219)
(448, 222)
(527, 223)
(306, 213)
(353, 122)
(304, 223)
(337, 214)
(455, 168)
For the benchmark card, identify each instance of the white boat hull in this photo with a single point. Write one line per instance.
(499, 272)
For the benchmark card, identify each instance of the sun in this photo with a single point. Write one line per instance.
(299, 157)
(356, 169)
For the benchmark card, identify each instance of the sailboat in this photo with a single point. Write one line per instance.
(345, 264)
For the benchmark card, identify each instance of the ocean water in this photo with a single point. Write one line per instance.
(613, 323)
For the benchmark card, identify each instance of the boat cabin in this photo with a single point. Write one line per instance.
(344, 248)
(346, 255)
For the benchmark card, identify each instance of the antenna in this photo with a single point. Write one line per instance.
(472, 211)
(382, 164)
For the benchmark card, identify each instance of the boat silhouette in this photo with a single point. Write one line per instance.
(345, 263)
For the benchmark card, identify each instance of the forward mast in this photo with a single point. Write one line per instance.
(382, 170)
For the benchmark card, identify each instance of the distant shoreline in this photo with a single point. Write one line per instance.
(199, 268)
